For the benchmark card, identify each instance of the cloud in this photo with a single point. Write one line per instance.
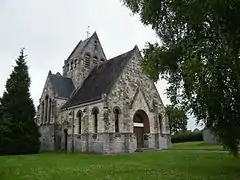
(49, 30)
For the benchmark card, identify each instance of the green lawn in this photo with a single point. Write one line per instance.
(196, 146)
(166, 165)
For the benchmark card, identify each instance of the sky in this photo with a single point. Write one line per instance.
(50, 29)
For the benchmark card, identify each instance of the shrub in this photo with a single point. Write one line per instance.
(187, 137)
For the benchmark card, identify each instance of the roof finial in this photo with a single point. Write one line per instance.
(88, 33)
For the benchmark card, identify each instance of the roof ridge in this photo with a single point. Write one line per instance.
(121, 55)
(80, 42)
(84, 42)
(87, 40)
(61, 76)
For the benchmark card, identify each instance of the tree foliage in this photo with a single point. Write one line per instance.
(18, 131)
(177, 119)
(199, 57)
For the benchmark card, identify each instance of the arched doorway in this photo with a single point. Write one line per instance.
(65, 139)
(140, 128)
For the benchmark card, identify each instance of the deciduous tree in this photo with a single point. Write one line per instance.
(199, 57)
(177, 119)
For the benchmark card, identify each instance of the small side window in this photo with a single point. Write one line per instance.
(95, 114)
(95, 60)
(95, 44)
(160, 123)
(87, 60)
(75, 65)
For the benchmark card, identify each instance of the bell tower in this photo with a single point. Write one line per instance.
(85, 56)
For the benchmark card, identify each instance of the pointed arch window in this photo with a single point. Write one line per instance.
(50, 111)
(160, 123)
(95, 44)
(87, 60)
(53, 110)
(46, 109)
(116, 111)
(79, 117)
(75, 64)
(95, 60)
(95, 117)
(42, 112)
(71, 65)
(67, 67)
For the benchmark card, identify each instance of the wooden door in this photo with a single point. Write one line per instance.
(139, 135)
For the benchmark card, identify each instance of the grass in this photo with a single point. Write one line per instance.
(165, 165)
(196, 146)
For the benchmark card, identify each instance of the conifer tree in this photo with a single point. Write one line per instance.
(18, 132)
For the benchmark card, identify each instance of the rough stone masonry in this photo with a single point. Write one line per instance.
(101, 106)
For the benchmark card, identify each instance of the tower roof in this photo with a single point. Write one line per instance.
(81, 45)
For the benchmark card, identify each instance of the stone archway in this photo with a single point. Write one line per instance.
(141, 128)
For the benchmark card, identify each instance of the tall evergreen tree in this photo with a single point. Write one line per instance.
(19, 133)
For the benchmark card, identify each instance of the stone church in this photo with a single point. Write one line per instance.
(101, 106)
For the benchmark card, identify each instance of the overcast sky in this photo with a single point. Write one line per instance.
(50, 29)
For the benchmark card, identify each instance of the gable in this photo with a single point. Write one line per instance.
(100, 80)
(132, 80)
(139, 102)
(90, 45)
(140, 99)
(94, 48)
(48, 88)
(58, 86)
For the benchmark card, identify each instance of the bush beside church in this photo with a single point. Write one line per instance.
(187, 137)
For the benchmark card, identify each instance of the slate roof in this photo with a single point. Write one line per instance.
(100, 80)
(63, 86)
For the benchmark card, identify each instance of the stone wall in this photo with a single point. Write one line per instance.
(208, 137)
(113, 143)
(87, 118)
(59, 102)
(104, 143)
(56, 103)
(47, 91)
(133, 91)
(47, 138)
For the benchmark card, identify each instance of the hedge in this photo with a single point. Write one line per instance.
(10, 146)
(187, 137)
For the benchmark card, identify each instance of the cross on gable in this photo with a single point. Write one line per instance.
(88, 33)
